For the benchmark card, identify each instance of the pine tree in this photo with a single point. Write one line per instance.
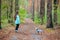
(33, 10)
(55, 11)
(49, 14)
(42, 10)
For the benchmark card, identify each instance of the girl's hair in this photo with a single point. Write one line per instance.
(15, 15)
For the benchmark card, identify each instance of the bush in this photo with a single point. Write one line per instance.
(22, 13)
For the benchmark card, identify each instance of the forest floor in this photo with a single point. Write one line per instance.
(27, 31)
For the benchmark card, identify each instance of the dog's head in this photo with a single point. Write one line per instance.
(36, 28)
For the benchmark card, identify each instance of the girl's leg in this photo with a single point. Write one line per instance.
(17, 26)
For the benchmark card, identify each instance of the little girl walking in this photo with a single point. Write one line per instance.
(17, 21)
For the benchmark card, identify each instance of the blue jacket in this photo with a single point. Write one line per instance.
(17, 21)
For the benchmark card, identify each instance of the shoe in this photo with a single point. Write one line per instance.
(16, 30)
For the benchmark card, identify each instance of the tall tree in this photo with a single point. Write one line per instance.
(11, 10)
(7, 9)
(38, 10)
(55, 11)
(0, 15)
(42, 10)
(49, 14)
(9, 15)
(16, 5)
(7, 12)
(33, 10)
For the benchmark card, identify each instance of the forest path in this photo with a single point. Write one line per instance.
(27, 32)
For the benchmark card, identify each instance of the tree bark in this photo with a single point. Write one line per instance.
(11, 11)
(49, 14)
(42, 10)
(9, 15)
(7, 12)
(16, 6)
(55, 11)
(0, 15)
(33, 10)
(38, 10)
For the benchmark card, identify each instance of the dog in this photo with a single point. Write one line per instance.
(38, 30)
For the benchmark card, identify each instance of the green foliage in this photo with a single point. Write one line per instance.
(4, 23)
(23, 2)
(36, 19)
(22, 13)
(58, 16)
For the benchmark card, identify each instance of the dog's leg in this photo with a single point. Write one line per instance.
(38, 32)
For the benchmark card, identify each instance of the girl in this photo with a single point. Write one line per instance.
(17, 21)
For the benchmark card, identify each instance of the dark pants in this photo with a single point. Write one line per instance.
(17, 26)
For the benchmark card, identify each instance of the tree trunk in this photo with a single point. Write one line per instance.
(33, 10)
(0, 15)
(7, 12)
(55, 11)
(38, 10)
(49, 14)
(11, 11)
(42, 10)
(9, 15)
(16, 6)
